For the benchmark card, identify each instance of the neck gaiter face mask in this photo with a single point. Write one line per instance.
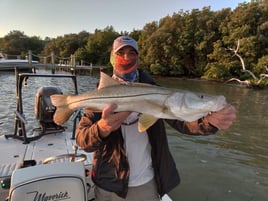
(125, 69)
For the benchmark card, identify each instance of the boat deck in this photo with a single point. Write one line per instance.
(14, 152)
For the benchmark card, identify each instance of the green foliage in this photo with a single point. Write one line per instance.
(17, 44)
(82, 55)
(99, 45)
(156, 69)
(197, 43)
(262, 66)
(216, 71)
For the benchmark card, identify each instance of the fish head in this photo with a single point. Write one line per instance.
(190, 106)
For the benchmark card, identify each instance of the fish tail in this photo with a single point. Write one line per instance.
(63, 112)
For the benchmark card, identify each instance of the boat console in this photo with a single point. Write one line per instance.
(62, 177)
(53, 181)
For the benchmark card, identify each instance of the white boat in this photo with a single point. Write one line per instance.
(44, 164)
(10, 64)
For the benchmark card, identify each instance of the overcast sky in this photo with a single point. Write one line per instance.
(54, 18)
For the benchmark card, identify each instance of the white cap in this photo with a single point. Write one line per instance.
(123, 41)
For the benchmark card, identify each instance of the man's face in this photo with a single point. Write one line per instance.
(127, 53)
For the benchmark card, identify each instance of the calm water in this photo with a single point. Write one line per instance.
(231, 165)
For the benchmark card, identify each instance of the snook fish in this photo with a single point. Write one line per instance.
(152, 102)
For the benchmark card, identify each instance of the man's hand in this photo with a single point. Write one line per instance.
(222, 119)
(111, 121)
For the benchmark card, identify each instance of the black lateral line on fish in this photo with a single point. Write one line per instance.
(116, 97)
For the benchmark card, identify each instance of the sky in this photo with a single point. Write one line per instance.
(52, 18)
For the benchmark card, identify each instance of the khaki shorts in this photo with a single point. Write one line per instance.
(145, 192)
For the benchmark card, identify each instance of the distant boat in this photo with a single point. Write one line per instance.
(10, 64)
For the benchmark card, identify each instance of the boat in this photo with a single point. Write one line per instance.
(11, 64)
(24, 65)
(44, 164)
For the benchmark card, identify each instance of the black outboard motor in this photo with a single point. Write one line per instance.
(44, 110)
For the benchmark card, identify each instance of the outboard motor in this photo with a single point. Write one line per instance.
(44, 110)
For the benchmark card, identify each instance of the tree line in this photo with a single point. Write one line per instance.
(192, 43)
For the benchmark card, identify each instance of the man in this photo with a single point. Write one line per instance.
(129, 165)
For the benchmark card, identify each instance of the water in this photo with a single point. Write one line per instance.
(231, 165)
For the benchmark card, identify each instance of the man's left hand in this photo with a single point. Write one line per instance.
(223, 118)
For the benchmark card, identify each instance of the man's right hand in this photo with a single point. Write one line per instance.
(111, 121)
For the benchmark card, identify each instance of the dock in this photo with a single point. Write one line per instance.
(77, 69)
(74, 69)
(50, 62)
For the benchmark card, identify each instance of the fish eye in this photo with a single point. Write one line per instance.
(201, 96)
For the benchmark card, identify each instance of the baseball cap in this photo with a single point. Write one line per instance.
(123, 41)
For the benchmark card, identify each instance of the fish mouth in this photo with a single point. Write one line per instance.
(219, 104)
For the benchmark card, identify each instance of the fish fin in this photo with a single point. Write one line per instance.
(106, 80)
(62, 113)
(145, 122)
(58, 100)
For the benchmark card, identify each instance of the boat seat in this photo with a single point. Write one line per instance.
(44, 110)
(53, 181)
